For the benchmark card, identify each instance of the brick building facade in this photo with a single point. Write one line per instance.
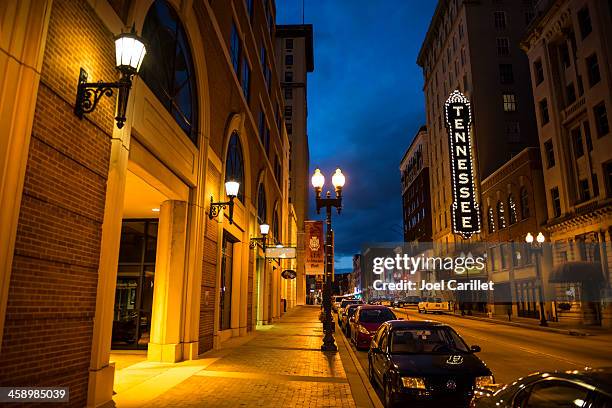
(80, 198)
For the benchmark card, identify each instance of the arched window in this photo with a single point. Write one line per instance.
(511, 210)
(491, 220)
(501, 215)
(524, 203)
(276, 227)
(234, 164)
(261, 205)
(168, 68)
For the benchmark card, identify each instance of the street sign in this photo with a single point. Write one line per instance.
(281, 252)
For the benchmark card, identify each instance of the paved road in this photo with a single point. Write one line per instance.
(512, 352)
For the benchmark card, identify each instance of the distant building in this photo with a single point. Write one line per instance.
(416, 199)
(570, 53)
(514, 204)
(473, 46)
(355, 279)
(295, 59)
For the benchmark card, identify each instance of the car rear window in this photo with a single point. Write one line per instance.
(430, 340)
(349, 302)
(376, 315)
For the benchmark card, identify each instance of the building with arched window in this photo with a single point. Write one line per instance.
(107, 233)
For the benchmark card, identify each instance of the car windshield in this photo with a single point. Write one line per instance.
(376, 315)
(338, 299)
(430, 340)
(349, 302)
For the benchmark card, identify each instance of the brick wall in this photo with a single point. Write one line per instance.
(52, 292)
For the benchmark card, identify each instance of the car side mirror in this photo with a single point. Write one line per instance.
(475, 349)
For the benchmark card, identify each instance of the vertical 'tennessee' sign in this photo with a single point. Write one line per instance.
(465, 212)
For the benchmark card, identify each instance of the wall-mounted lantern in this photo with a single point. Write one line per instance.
(130, 51)
(231, 191)
(264, 229)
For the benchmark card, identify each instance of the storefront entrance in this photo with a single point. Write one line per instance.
(135, 283)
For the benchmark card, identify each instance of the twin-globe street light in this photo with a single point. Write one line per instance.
(338, 180)
(537, 247)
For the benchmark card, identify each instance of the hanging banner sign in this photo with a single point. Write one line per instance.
(464, 210)
(314, 247)
(288, 274)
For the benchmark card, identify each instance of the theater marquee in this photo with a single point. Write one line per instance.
(464, 210)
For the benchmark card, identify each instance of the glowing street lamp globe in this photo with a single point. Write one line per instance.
(529, 238)
(540, 238)
(318, 179)
(129, 53)
(231, 188)
(338, 179)
(264, 229)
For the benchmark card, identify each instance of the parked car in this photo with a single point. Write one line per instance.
(590, 388)
(343, 304)
(434, 305)
(425, 362)
(349, 312)
(406, 301)
(366, 321)
(336, 302)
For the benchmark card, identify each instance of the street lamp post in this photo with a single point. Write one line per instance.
(537, 247)
(318, 180)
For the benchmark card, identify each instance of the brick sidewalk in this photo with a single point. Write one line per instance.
(282, 366)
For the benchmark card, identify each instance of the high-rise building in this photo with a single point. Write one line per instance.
(416, 199)
(473, 46)
(294, 60)
(570, 56)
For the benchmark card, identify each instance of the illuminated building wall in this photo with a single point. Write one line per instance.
(569, 54)
(474, 47)
(69, 187)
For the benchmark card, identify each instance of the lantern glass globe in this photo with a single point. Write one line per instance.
(129, 53)
(318, 179)
(338, 179)
(264, 229)
(540, 238)
(231, 188)
(529, 238)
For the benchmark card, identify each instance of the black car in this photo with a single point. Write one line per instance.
(589, 388)
(425, 363)
(343, 305)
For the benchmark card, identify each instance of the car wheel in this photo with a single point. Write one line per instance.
(389, 401)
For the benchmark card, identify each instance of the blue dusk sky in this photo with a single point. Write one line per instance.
(365, 104)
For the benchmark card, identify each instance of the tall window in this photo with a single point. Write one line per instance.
(593, 69)
(235, 49)
(499, 18)
(262, 211)
(511, 210)
(584, 22)
(506, 76)
(556, 201)
(276, 228)
(550, 153)
(524, 203)
(225, 288)
(509, 102)
(503, 46)
(168, 69)
(501, 215)
(234, 164)
(289, 59)
(538, 72)
(288, 76)
(246, 79)
(577, 142)
(288, 93)
(289, 43)
(544, 118)
(601, 119)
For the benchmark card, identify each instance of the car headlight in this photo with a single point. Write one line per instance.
(484, 381)
(413, 382)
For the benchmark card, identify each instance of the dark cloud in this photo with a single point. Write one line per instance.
(365, 104)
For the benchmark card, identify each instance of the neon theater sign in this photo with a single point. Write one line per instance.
(465, 209)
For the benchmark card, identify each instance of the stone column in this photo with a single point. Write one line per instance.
(167, 313)
(244, 286)
(23, 35)
(236, 300)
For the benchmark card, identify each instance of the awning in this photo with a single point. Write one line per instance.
(577, 272)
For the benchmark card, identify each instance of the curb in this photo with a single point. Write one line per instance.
(569, 332)
(373, 401)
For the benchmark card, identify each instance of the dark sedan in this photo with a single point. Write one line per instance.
(348, 313)
(589, 388)
(425, 363)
